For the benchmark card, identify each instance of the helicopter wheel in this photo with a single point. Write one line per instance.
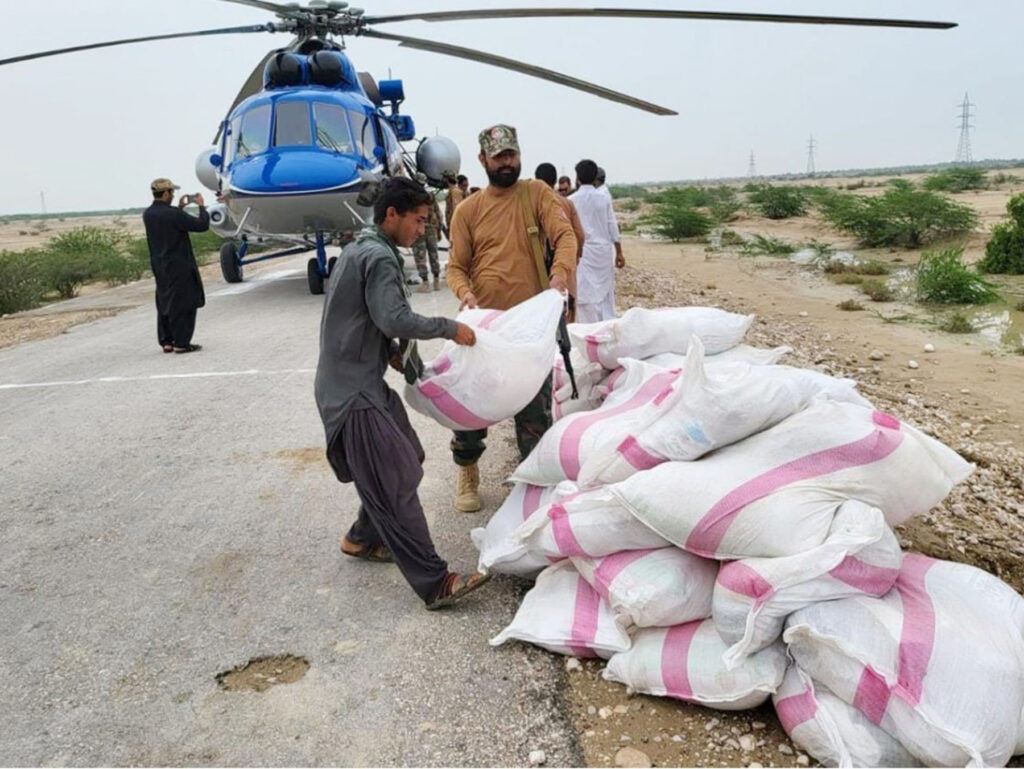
(330, 265)
(229, 266)
(313, 276)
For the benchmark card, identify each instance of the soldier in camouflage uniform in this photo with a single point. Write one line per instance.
(427, 245)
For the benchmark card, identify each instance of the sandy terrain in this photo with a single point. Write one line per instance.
(30, 233)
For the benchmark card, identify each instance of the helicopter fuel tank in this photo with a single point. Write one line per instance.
(435, 156)
(207, 165)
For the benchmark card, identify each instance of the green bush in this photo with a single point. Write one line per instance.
(760, 244)
(943, 277)
(902, 216)
(846, 278)
(676, 221)
(206, 243)
(630, 205)
(628, 191)
(877, 290)
(850, 305)
(723, 204)
(22, 281)
(1004, 252)
(778, 202)
(957, 323)
(956, 180)
(92, 253)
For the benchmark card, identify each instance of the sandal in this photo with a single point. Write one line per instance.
(454, 587)
(168, 348)
(188, 348)
(374, 553)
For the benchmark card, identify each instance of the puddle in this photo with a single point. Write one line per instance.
(260, 673)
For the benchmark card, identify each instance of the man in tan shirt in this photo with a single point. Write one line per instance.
(491, 264)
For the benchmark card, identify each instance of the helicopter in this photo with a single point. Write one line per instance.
(308, 138)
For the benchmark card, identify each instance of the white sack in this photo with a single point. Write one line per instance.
(644, 394)
(588, 378)
(938, 662)
(641, 333)
(498, 552)
(685, 662)
(834, 733)
(588, 524)
(654, 587)
(753, 596)
(775, 493)
(564, 614)
(469, 388)
(717, 404)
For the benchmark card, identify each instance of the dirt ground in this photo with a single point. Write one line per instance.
(966, 393)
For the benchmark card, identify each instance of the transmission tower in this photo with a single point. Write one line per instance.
(963, 147)
(811, 144)
(752, 168)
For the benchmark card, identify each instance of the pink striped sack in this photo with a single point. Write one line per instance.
(685, 662)
(638, 401)
(469, 388)
(590, 524)
(564, 614)
(640, 333)
(753, 596)
(718, 403)
(834, 733)
(938, 662)
(653, 587)
(776, 493)
(499, 551)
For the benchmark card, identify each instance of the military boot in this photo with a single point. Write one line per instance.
(467, 489)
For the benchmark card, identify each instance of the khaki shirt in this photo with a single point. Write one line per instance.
(577, 229)
(491, 254)
(455, 196)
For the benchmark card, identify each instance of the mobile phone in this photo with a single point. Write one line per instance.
(188, 199)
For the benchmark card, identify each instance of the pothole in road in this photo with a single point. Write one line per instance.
(260, 673)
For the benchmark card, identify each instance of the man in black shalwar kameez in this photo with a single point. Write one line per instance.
(370, 441)
(179, 289)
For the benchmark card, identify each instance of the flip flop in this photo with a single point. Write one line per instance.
(373, 553)
(189, 348)
(168, 348)
(455, 587)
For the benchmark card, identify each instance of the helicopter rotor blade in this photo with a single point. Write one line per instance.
(523, 13)
(518, 66)
(201, 33)
(281, 10)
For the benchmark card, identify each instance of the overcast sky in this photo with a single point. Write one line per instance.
(92, 129)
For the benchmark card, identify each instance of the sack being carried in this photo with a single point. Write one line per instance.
(470, 388)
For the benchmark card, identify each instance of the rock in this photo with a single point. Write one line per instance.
(912, 364)
(621, 709)
(677, 738)
(537, 758)
(605, 712)
(785, 750)
(803, 760)
(755, 765)
(572, 664)
(803, 313)
(758, 725)
(632, 757)
(711, 724)
(929, 347)
(731, 743)
(591, 710)
(747, 742)
(876, 355)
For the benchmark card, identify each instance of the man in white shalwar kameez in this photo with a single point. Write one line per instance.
(602, 251)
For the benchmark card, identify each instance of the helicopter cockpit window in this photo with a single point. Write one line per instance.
(291, 124)
(332, 128)
(254, 135)
(362, 130)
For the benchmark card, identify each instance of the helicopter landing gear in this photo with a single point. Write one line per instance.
(231, 261)
(317, 268)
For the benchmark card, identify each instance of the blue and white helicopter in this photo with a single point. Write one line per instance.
(308, 137)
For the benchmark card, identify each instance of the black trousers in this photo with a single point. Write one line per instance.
(382, 455)
(531, 423)
(175, 330)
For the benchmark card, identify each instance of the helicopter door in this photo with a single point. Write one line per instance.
(392, 149)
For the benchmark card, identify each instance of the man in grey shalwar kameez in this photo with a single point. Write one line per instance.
(370, 441)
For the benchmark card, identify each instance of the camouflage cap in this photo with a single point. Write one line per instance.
(497, 139)
(162, 185)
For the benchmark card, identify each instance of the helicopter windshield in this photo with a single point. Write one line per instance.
(254, 133)
(332, 128)
(362, 130)
(291, 124)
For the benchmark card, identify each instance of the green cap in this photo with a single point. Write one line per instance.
(497, 139)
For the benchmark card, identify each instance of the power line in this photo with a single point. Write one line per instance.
(811, 144)
(752, 168)
(963, 147)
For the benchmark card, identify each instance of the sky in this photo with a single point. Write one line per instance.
(90, 130)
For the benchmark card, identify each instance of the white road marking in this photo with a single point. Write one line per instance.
(263, 277)
(156, 377)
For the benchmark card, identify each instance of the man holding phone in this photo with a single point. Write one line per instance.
(179, 288)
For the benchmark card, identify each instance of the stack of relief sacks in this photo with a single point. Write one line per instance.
(717, 527)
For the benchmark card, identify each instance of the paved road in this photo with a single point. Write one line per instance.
(168, 517)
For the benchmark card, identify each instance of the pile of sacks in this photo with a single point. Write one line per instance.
(718, 527)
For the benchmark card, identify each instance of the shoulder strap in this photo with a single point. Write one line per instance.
(533, 233)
